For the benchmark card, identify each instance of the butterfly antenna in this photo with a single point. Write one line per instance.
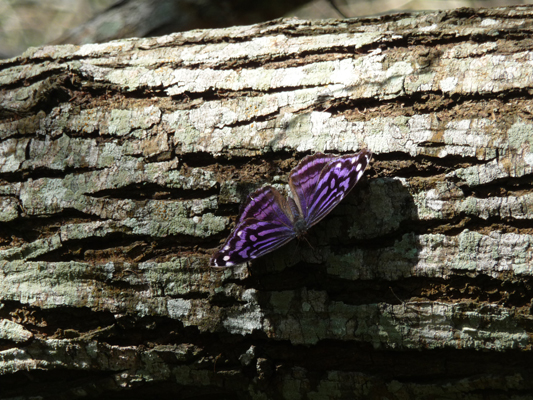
(309, 243)
(315, 251)
(397, 298)
(405, 305)
(295, 251)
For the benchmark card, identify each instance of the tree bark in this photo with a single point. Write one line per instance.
(123, 165)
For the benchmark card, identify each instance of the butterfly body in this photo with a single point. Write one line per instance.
(268, 220)
(300, 227)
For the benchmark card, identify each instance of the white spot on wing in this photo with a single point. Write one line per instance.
(358, 168)
(226, 258)
(339, 165)
(226, 248)
(239, 234)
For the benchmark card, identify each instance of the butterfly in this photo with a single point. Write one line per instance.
(268, 220)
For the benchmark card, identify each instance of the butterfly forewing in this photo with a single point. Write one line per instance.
(264, 225)
(251, 239)
(336, 180)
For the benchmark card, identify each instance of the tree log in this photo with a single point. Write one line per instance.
(123, 166)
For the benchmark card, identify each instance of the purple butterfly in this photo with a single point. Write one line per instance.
(268, 220)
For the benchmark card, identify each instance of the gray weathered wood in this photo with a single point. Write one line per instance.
(123, 165)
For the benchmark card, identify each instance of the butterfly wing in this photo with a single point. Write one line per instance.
(251, 239)
(337, 178)
(265, 224)
(266, 204)
(304, 179)
(267, 219)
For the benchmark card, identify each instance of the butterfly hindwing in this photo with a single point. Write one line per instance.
(336, 180)
(304, 179)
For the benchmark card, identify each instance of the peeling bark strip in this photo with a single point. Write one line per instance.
(123, 165)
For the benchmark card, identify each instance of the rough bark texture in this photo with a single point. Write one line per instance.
(123, 166)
